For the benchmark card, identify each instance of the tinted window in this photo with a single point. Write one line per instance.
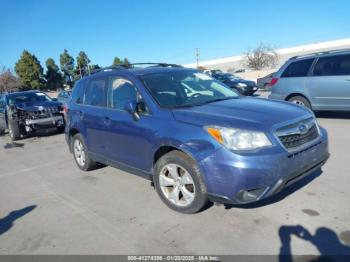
(332, 66)
(78, 92)
(298, 68)
(96, 93)
(122, 91)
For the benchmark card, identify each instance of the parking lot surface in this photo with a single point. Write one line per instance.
(49, 206)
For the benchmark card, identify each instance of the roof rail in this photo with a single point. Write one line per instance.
(132, 65)
(322, 53)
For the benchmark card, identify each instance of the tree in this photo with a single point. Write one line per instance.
(126, 61)
(261, 57)
(30, 71)
(54, 79)
(67, 67)
(8, 81)
(201, 68)
(93, 67)
(82, 64)
(117, 61)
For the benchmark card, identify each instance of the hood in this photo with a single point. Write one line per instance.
(244, 112)
(32, 107)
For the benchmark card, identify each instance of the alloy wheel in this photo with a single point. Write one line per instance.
(79, 152)
(298, 102)
(177, 185)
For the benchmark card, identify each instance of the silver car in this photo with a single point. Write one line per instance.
(318, 81)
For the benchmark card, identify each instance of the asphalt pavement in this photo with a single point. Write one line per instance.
(49, 206)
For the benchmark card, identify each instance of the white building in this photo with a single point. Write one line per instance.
(237, 62)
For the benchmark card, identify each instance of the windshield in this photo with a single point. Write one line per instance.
(186, 88)
(28, 98)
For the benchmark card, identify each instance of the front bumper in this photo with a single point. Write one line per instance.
(240, 179)
(44, 123)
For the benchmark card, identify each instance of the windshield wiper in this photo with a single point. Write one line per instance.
(205, 102)
(217, 100)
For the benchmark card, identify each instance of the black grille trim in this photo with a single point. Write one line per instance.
(291, 136)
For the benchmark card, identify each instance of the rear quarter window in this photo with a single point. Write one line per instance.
(298, 68)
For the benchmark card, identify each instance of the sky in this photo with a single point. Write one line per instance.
(163, 30)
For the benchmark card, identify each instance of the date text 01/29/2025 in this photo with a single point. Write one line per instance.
(173, 258)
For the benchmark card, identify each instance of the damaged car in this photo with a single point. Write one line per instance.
(244, 87)
(24, 113)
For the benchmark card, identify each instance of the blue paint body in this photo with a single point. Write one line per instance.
(130, 144)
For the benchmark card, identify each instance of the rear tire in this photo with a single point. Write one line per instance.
(300, 100)
(179, 183)
(81, 154)
(14, 130)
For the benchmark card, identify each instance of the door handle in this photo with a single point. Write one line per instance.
(347, 79)
(107, 121)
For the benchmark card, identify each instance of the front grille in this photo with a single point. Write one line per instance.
(292, 137)
(44, 113)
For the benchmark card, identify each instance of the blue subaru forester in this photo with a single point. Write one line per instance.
(193, 137)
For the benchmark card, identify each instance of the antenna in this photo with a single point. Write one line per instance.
(197, 57)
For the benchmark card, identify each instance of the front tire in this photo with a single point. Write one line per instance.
(14, 130)
(81, 155)
(179, 183)
(300, 100)
(60, 129)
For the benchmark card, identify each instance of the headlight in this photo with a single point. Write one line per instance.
(238, 139)
(241, 85)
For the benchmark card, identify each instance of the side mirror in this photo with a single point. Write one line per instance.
(54, 99)
(131, 108)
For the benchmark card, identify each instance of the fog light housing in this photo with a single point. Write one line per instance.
(250, 195)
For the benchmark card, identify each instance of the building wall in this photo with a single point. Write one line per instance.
(237, 62)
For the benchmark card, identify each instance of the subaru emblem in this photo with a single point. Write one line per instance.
(303, 128)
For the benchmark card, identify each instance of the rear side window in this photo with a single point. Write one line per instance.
(333, 66)
(96, 93)
(298, 68)
(78, 92)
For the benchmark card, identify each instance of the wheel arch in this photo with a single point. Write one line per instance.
(297, 94)
(164, 149)
(72, 132)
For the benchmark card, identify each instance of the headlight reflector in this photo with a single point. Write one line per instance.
(238, 139)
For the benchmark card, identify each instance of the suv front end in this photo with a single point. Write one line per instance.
(298, 148)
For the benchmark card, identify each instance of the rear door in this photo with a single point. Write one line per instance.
(329, 85)
(93, 116)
